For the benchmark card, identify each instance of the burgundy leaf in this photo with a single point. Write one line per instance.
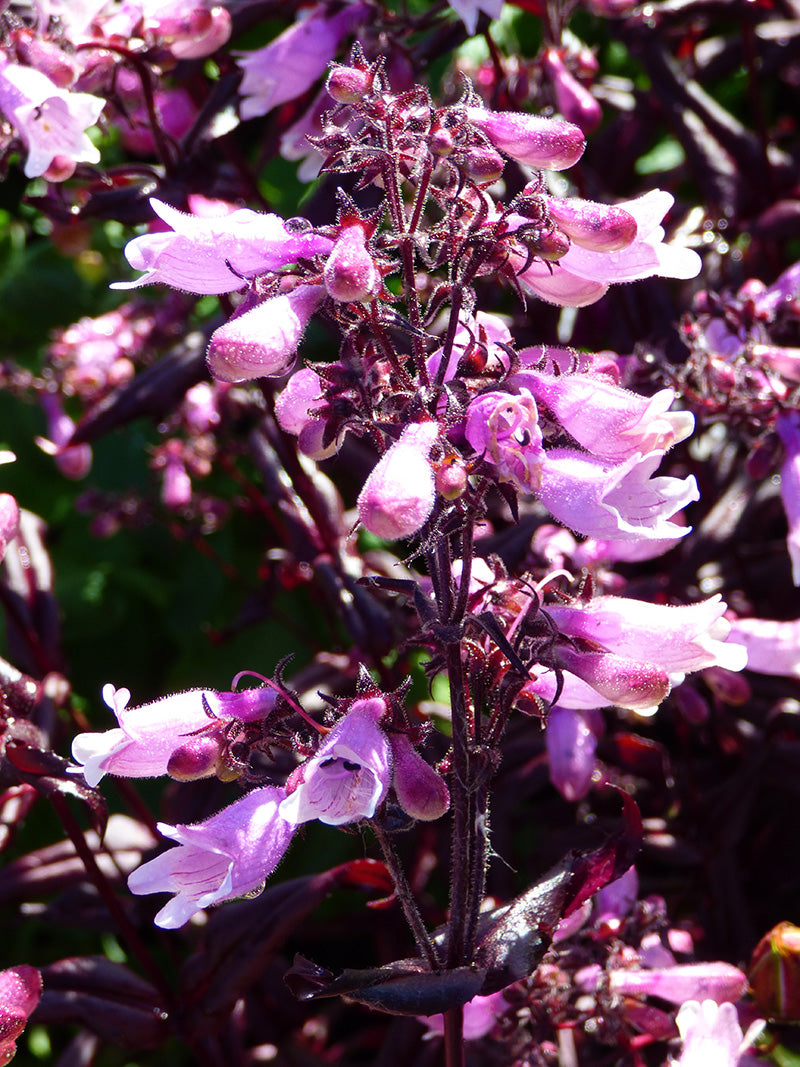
(49, 775)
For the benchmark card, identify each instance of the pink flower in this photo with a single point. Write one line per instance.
(711, 1034)
(608, 421)
(216, 254)
(717, 983)
(468, 11)
(788, 426)
(680, 639)
(20, 990)
(74, 461)
(261, 341)
(620, 680)
(505, 428)
(226, 856)
(620, 501)
(51, 121)
(582, 276)
(773, 647)
(148, 736)
(9, 521)
(289, 65)
(573, 99)
(551, 144)
(399, 494)
(349, 775)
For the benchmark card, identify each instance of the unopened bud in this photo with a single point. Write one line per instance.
(622, 681)
(399, 494)
(482, 165)
(573, 99)
(60, 169)
(350, 271)
(440, 141)
(598, 227)
(551, 245)
(196, 758)
(730, 687)
(451, 478)
(348, 85)
(420, 790)
(552, 144)
(775, 973)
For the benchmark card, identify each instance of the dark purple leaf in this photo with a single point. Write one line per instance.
(49, 775)
(106, 998)
(241, 938)
(405, 987)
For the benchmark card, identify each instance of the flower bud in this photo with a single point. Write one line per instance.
(551, 245)
(598, 227)
(399, 494)
(440, 141)
(571, 746)
(350, 272)
(482, 165)
(622, 681)
(451, 478)
(774, 973)
(348, 85)
(9, 521)
(552, 144)
(196, 758)
(420, 790)
(573, 99)
(262, 341)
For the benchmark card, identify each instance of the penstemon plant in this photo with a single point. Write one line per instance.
(501, 610)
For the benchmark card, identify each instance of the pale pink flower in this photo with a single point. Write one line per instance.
(711, 1034)
(51, 121)
(573, 99)
(350, 774)
(229, 855)
(216, 254)
(468, 11)
(505, 428)
(350, 271)
(610, 422)
(680, 638)
(613, 501)
(773, 646)
(148, 736)
(289, 65)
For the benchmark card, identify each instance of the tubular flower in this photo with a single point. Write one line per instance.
(611, 423)
(261, 341)
(349, 775)
(613, 502)
(420, 791)
(571, 746)
(680, 639)
(20, 991)
(217, 254)
(226, 856)
(51, 121)
(149, 736)
(711, 1034)
(399, 494)
(773, 646)
(289, 65)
